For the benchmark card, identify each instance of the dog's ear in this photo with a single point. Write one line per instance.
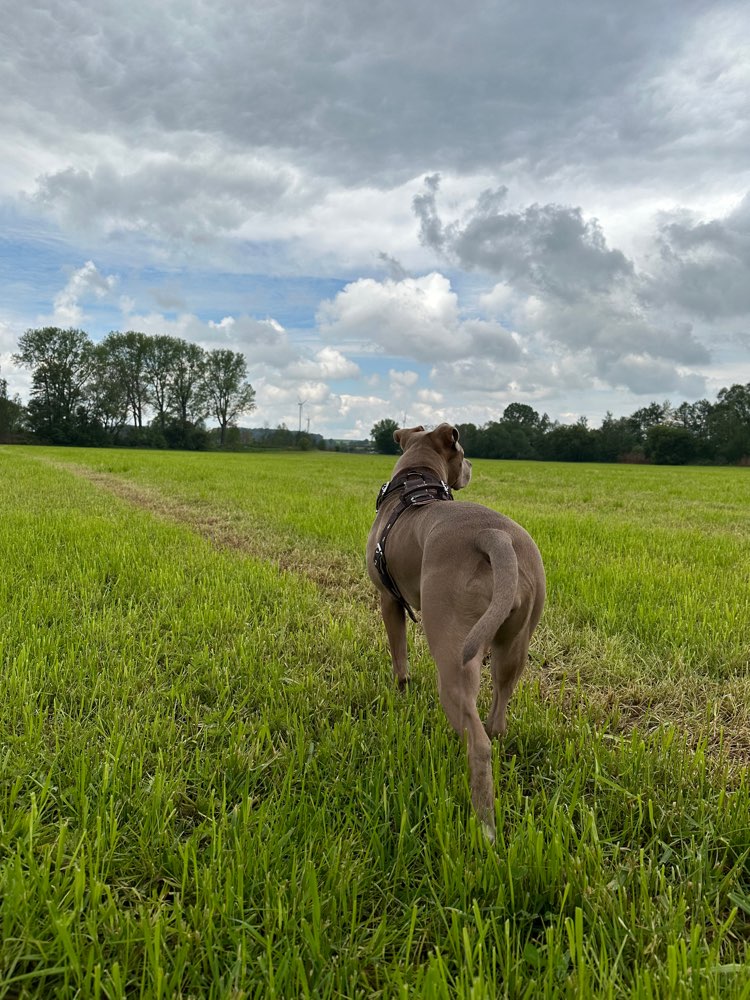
(446, 436)
(403, 434)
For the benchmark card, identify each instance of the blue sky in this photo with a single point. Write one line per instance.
(393, 209)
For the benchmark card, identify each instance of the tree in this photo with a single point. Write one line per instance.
(569, 443)
(692, 416)
(494, 440)
(614, 438)
(227, 389)
(107, 394)
(667, 444)
(729, 423)
(470, 438)
(522, 415)
(159, 359)
(127, 354)
(526, 429)
(11, 411)
(382, 437)
(648, 416)
(61, 362)
(186, 397)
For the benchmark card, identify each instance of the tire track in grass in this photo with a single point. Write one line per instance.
(712, 714)
(232, 529)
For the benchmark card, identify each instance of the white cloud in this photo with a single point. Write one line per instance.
(415, 317)
(430, 397)
(84, 284)
(500, 299)
(328, 363)
(402, 379)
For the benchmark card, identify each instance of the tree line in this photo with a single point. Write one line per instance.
(130, 388)
(702, 433)
(157, 391)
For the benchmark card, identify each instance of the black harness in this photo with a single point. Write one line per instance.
(418, 488)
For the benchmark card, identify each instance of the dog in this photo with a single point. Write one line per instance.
(477, 577)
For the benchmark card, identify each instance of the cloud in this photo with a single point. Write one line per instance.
(561, 284)
(704, 265)
(415, 317)
(425, 208)
(646, 375)
(86, 283)
(542, 249)
(394, 269)
(344, 88)
(264, 170)
(200, 195)
(327, 363)
(490, 339)
(401, 380)
(498, 300)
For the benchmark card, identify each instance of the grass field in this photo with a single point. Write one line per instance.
(210, 788)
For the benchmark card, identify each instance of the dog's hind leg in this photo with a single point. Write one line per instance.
(458, 696)
(508, 660)
(459, 688)
(394, 618)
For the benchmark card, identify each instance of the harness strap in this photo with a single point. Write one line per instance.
(429, 490)
(427, 476)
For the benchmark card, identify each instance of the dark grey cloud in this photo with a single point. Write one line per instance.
(194, 198)
(394, 269)
(704, 266)
(585, 296)
(361, 90)
(547, 249)
(431, 231)
(646, 375)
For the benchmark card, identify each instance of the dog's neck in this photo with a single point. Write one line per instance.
(428, 461)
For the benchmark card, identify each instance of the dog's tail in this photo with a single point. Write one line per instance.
(498, 548)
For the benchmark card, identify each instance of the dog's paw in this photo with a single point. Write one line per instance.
(489, 832)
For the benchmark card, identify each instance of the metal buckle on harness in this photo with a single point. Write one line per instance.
(428, 494)
(418, 498)
(381, 494)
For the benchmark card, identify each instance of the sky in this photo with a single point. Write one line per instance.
(415, 210)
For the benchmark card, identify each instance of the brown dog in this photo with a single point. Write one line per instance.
(477, 577)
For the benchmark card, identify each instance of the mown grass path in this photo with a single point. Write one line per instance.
(210, 788)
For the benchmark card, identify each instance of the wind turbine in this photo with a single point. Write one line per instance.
(300, 403)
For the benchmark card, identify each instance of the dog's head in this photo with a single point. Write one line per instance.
(443, 441)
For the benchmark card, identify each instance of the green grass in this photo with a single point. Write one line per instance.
(208, 786)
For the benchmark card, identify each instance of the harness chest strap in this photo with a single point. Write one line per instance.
(429, 490)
